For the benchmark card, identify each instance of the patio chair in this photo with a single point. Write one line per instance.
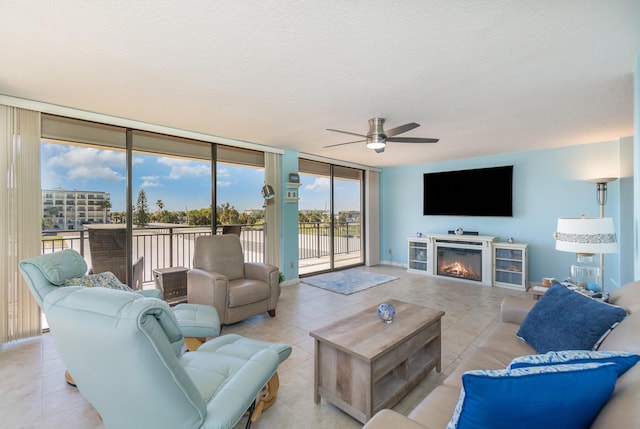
(107, 247)
(232, 229)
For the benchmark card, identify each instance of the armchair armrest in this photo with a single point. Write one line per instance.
(514, 309)
(259, 271)
(267, 273)
(206, 287)
(390, 419)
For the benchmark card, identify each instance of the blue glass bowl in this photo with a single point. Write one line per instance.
(386, 312)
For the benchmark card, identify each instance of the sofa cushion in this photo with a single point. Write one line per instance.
(566, 320)
(436, 408)
(623, 360)
(247, 291)
(567, 396)
(626, 336)
(480, 358)
(627, 296)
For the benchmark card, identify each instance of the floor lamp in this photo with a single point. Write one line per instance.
(601, 197)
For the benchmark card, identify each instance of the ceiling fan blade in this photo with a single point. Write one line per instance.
(340, 144)
(346, 132)
(401, 129)
(412, 140)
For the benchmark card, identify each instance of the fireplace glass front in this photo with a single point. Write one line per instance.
(459, 263)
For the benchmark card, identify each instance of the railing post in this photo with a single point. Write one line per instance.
(82, 242)
(318, 240)
(170, 246)
(347, 236)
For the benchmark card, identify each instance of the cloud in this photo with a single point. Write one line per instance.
(180, 168)
(223, 172)
(320, 184)
(150, 181)
(89, 163)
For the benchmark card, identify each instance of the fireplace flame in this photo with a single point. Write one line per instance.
(457, 269)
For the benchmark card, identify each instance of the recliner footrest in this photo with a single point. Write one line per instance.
(197, 320)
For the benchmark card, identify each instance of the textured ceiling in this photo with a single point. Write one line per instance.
(484, 76)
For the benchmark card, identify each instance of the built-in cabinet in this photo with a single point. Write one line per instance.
(419, 255)
(510, 265)
(500, 264)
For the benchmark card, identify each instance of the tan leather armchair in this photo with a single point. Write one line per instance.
(220, 277)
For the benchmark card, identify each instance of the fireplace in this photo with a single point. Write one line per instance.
(460, 263)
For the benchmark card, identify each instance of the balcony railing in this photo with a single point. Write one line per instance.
(173, 246)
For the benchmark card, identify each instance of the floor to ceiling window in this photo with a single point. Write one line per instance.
(86, 170)
(330, 217)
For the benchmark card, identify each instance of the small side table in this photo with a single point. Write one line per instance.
(537, 290)
(172, 283)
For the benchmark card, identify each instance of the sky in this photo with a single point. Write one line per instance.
(180, 183)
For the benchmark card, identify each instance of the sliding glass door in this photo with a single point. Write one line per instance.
(330, 217)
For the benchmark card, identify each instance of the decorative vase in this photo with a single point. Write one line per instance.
(386, 312)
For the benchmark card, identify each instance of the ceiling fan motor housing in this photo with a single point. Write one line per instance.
(376, 138)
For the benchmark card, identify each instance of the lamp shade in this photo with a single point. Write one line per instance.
(268, 192)
(586, 235)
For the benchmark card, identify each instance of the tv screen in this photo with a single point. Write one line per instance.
(478, 192)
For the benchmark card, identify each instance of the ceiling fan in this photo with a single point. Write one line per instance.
(377, 137)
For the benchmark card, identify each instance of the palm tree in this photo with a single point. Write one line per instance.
(104, 205)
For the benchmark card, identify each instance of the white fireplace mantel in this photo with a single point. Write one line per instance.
(425, 251)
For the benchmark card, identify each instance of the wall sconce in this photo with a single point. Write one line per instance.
(267, 192)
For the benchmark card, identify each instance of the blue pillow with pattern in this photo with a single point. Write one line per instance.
(106, 279)
(566, 320)
(623, 360)
(556, 396)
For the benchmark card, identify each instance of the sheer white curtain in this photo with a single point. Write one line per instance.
(272, 169)
(20, 219)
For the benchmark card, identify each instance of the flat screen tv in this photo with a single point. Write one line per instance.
(478, 192)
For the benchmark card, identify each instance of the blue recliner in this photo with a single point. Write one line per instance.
(126, 354)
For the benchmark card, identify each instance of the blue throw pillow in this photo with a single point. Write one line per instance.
(557, 396)
(623, 360)
(566, 320)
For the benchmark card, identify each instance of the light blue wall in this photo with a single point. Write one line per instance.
(547, 184)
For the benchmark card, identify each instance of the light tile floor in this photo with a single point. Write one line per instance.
(35, 395)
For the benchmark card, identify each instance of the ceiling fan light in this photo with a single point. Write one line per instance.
(376, 142)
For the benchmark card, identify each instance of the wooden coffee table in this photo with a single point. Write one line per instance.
(363, 365)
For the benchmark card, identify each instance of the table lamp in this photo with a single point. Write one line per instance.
(586, 237)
